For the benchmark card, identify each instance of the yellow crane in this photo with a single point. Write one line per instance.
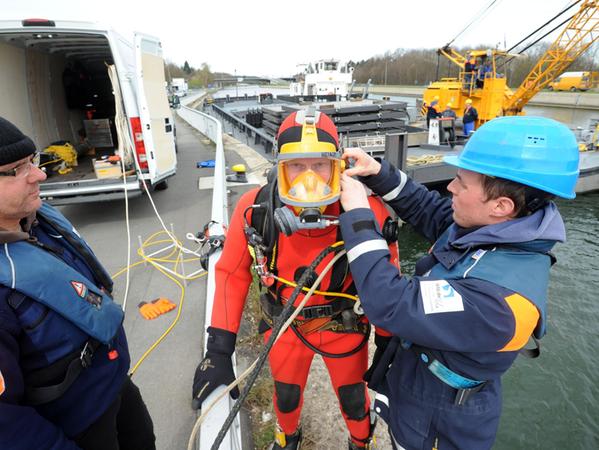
(488, 89)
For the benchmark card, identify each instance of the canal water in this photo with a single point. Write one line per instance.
(552, 402)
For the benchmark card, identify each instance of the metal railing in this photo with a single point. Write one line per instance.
(212, 129)
(260, 136)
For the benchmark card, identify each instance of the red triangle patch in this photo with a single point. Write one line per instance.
(79, 288)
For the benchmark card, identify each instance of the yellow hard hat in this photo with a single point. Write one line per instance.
(436, 97)
(469, 102)
(449, 105)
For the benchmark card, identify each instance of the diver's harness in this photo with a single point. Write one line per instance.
(342, 313)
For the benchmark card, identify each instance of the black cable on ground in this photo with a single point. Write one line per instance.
(277, 325)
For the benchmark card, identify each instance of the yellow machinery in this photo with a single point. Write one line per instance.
(488, 89)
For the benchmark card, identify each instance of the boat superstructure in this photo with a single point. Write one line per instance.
(325, 77)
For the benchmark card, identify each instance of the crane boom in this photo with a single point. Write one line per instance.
(580, 33)
(452, 55)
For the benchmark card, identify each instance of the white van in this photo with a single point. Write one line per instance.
(80, 83)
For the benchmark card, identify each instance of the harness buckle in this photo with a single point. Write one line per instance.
(314, 312)
(86, 355)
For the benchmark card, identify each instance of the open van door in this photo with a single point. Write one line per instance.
(154, 112)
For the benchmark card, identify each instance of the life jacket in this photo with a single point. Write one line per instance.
(489, 264)
(525, 263)
(85, 303)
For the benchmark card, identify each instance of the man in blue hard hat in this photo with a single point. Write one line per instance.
(479, 294)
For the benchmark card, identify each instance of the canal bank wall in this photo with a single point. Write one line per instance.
(585, 100)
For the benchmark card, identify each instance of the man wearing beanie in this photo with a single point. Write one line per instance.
(63, 352)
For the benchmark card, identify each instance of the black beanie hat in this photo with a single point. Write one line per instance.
(14, 145)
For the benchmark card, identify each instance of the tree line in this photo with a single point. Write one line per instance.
(419, 67)
(196, 78)
(416, 67)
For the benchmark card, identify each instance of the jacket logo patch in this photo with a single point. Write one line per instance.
(2, 385)
(439, 296)
(79, 288)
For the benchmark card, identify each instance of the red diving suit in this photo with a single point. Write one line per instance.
(290, 358)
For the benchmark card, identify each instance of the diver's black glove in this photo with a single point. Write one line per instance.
(381, 343)
(216, 368)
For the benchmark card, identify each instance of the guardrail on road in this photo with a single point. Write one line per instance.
(212, 129)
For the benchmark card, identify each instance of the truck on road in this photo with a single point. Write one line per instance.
(179, 87)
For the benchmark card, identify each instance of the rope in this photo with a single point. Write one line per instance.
(424, 159)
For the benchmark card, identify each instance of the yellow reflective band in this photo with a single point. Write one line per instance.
(305, 148)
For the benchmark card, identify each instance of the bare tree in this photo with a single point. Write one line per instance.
(423, 66)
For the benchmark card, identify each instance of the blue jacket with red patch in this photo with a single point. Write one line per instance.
(474, 301)
(38, 332)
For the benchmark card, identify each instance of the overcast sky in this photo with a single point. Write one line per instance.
(269, 37)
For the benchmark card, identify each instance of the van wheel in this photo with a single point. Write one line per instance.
(163, 185)
(572, 89)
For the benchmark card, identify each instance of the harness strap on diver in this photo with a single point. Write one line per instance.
(337, 315)
(334, 311)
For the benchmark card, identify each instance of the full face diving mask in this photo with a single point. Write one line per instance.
(309, 182)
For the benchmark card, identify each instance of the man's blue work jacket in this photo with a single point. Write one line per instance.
(474, 301)
(53, 300)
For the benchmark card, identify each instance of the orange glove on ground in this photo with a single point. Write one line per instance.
(155, 308)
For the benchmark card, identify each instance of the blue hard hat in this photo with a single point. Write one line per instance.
(534, 151)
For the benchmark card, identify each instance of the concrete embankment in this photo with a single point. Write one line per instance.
(585, 100)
